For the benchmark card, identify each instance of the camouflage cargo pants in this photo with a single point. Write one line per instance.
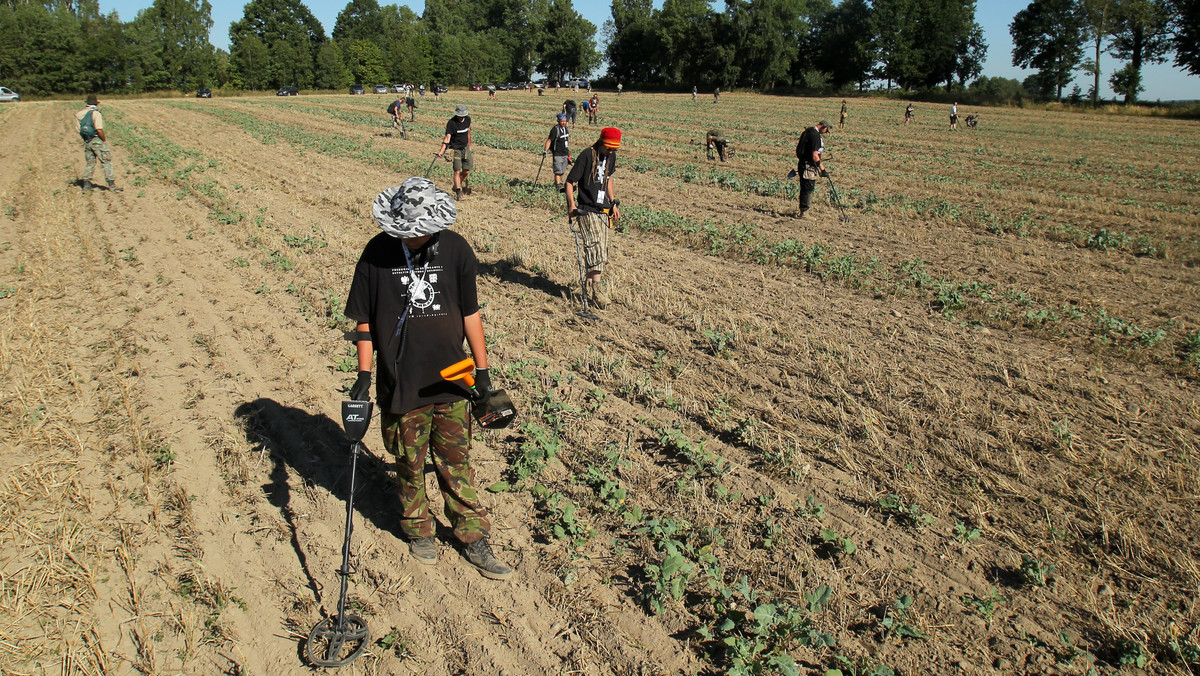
(446, 430)
(93, 150)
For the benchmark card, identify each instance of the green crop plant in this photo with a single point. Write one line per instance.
(1034, 572)
(895, 622)
(1132, 654)
(718, 342)
(893, 506)
(562, 521)
(539, 447)
(812, 508)
(758, 641)
(1190, 347)
(859, 667)
(666, 581)
(984, 606)
(832, 543)
(965, 534)
(703, 462)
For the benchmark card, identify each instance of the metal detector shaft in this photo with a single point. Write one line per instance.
(430, 168)
(836, 198)
(344, 572)
(539, 174)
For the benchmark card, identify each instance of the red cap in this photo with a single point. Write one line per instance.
(610, 137)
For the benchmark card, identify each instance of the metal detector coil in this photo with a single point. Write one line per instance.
(494, 412)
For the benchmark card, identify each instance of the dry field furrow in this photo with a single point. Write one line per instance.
(729, 399)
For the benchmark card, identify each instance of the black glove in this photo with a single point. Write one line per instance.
(483, 384)
(361, 390)
(824, 173)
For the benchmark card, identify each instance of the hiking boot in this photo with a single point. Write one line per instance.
(599, 298)
(458, 193)
(467, 189)
(479, 553)
(114, 188)
(424, 550)
(87, 186)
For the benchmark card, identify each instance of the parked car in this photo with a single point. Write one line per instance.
(357, 89)
(440, 88)
(204, 93)
(476, 87)
(287, 91)
(398, 88)
(381, 89)
(7, 94)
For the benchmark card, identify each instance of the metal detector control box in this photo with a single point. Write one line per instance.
(356, 418)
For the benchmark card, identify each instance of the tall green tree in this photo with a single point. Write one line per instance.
(359, 20)
(633, 47)
(365, 61)
(1048, 36)
(847, 44)
(173, 36)
(278, 23)
(1099, 17)
(567, 44)
(1140, 36)
(409, 50)
(40, 49)
(250, 63)
(768, 36)
(331, 69)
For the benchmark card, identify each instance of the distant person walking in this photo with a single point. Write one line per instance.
(716, 94)
(954, 116)
(558, 145)
(842, 116)
(908, 114)
(458, 141)
(620, 87)
(594, 109)
(591, 198)
(411, 104)
(95, 144)
(693, 92)
(808, 152)
(569, 110)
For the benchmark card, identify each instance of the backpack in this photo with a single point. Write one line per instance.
(87, 129)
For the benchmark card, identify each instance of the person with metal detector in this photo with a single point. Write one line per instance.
(458, 141)
(591, 201)
(714, 140)
(808, 152)
(414, 300)
(558, 145)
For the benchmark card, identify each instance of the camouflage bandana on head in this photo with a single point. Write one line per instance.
(414, 208)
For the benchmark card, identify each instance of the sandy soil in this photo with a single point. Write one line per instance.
(175, 475)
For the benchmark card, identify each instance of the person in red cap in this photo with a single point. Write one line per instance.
(591, 198)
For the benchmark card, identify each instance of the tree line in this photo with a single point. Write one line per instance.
(1059, 37)
(69, 46)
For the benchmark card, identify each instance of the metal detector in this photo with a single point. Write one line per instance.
(338, 641)
(539, 174)
(494, 412)
(430, 167)
(837, 200)
(586, 313)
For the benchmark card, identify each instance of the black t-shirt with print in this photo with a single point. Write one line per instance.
(559, 140)
(810, 141)
(433, 332)
(586, 175)
(458, 128)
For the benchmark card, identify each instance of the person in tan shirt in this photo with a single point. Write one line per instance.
(95, 144)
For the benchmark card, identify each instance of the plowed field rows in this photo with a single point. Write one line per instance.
(956, 434)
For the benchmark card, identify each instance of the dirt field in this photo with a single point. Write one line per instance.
(957, 434)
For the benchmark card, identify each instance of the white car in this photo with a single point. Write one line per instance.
(7, 94)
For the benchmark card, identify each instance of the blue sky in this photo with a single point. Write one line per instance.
(1162, 82)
